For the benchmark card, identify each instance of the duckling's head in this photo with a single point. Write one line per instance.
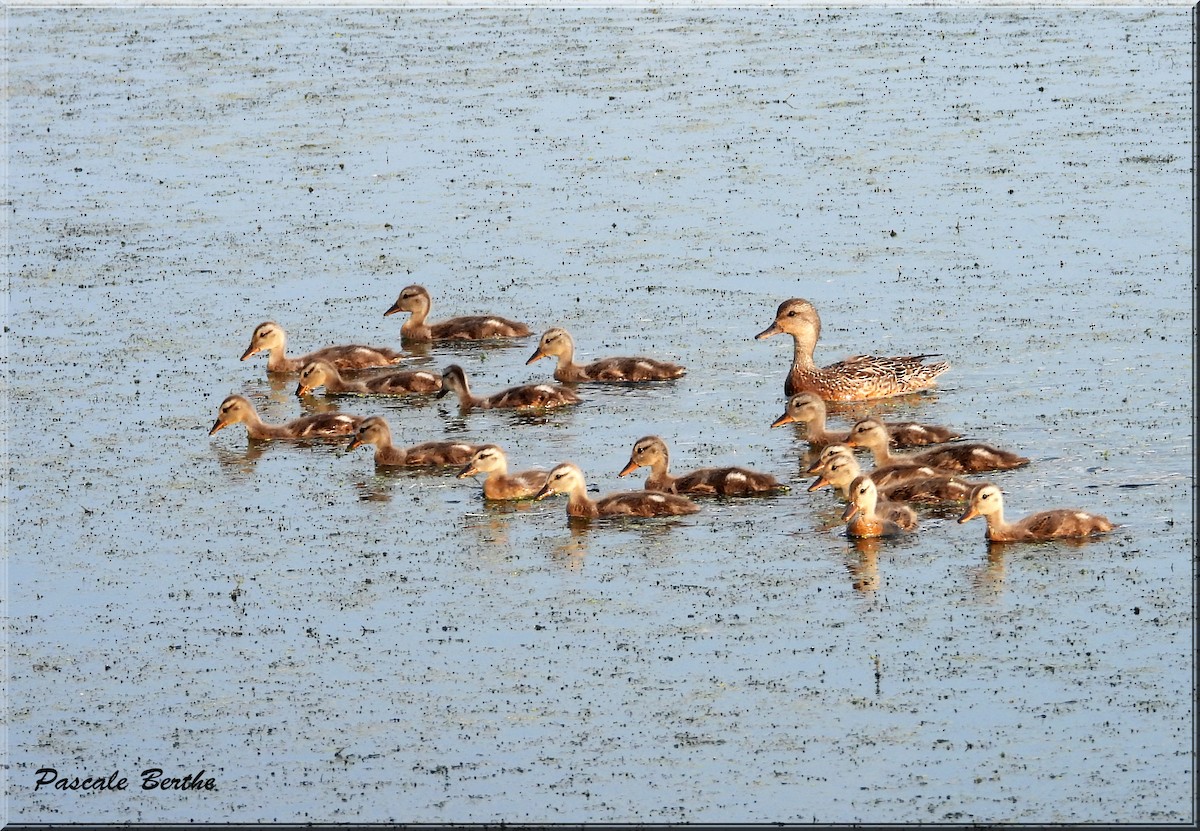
(233, 409)
(554, 342)
(647, 452)
(868, 433)
(314, 375)
(828, 454)
(795, 317)
(411, 299)
(267, 336)
(802, 408)
(985, 499)
(840, 470)
(863, 497)
(564, 478)
(487, 459)
(453, 380)
(373, 430)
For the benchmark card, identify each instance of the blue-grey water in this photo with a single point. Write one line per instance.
(1008, 187)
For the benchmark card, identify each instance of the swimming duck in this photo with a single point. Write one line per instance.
(840, 473)
(501, 484)
(269, 336)
(987, 501)
(567, 478)
(557, 342)
(930, 489)
(316, 374)
(863, 521)
(375, 430)
(651, 452)
(884, 476)
(416, 299)
(859, 378)
(809, 409)
(970, 457)
(237, 408)
(528, 396)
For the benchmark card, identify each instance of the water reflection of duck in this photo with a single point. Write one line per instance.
(840, 473)
(415, 299)
(568, 478)
(271, 337)
(961, 458)
(861, 516)
(528, 396)
(987, 501)
(375, 430)
(809, 409)
(499, 483)
(238, 409)
(853, 379)
(557, 343)
(322, 373)
(651, 452)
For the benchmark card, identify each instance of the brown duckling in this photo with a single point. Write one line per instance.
(237, 408)
(415, 299)
(651, 452)
(528, 396)
(884, 476)
(809, 409)
(567, 478)
(841, 471)
(863, 520)
(859, 378)
(271, 338)
(500, 484)
(318, 374)
(375, 430)
(987, 501)
(557, 342)
(970, 457)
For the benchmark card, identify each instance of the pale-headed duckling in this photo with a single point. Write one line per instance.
(271, 338)
(567, 478)
(490, 461)
(237, 408)
(557, 343)
(841, 471)
(862, 518)
(317, 374)
(970, 457)
(809, 409)
(527, 396)
(375, 430)
(651, 452)
(987, 501)
(415, 299)
(859, 378)
(883, 477)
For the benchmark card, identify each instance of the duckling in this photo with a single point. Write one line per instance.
(490, 459)
(840, 473)
(809, 409)
(269, 336)
(959, 458)
(237, 408)
(859, 378)
(375, 430)
(987, 501)
(863, 521)
(651, 452)
(930, 489)
(884, 476)
(567, 478)
(557, 342)
(529, 396)
(402, 382)
(416, 299)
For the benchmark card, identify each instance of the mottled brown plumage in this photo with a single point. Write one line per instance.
(317, 374)
(809, 409)
(557, 343)
(415, 299)
(651, 452)
(271, 338)
(528, 396)
(969, 457)
(987, 501)
(841, 471)
(238, 409)
(490, 461)
(883, 477)
(375, 430)
(567, 478)
(859, 378)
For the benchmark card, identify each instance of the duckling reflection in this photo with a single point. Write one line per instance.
(864, 568)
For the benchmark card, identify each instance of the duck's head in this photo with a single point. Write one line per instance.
(411, 299)
(801, 408)
(795, 317)
(554, 342)
(868, 433)
(564, 478)
(267, 336)
(863, 496)
(373, 430)
(647, 451)
(985, 499)
(487, 459)
(453, 380)
(233, 409)
(314, 375)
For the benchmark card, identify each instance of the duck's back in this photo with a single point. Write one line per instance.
(645, 504)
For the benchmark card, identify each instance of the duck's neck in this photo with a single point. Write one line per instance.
(803, 345)
(883, 456)
(415, 326)
(659, 479)
(580, 504)
(256, 428)
(278, 361)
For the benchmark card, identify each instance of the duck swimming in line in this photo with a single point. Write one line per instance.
(859, 378)
(557, 343)
(375, 430)
(809, 409)
(987, 501)
(840, 473)
(969, 457)
(568, 478)
(528, 396)
(500, 484)
(651, 452)
(415, 299)
(271, 338)
(238, 409)
(883, 477)
(317, 374)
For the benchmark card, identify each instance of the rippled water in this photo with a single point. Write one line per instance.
(1009, 187)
